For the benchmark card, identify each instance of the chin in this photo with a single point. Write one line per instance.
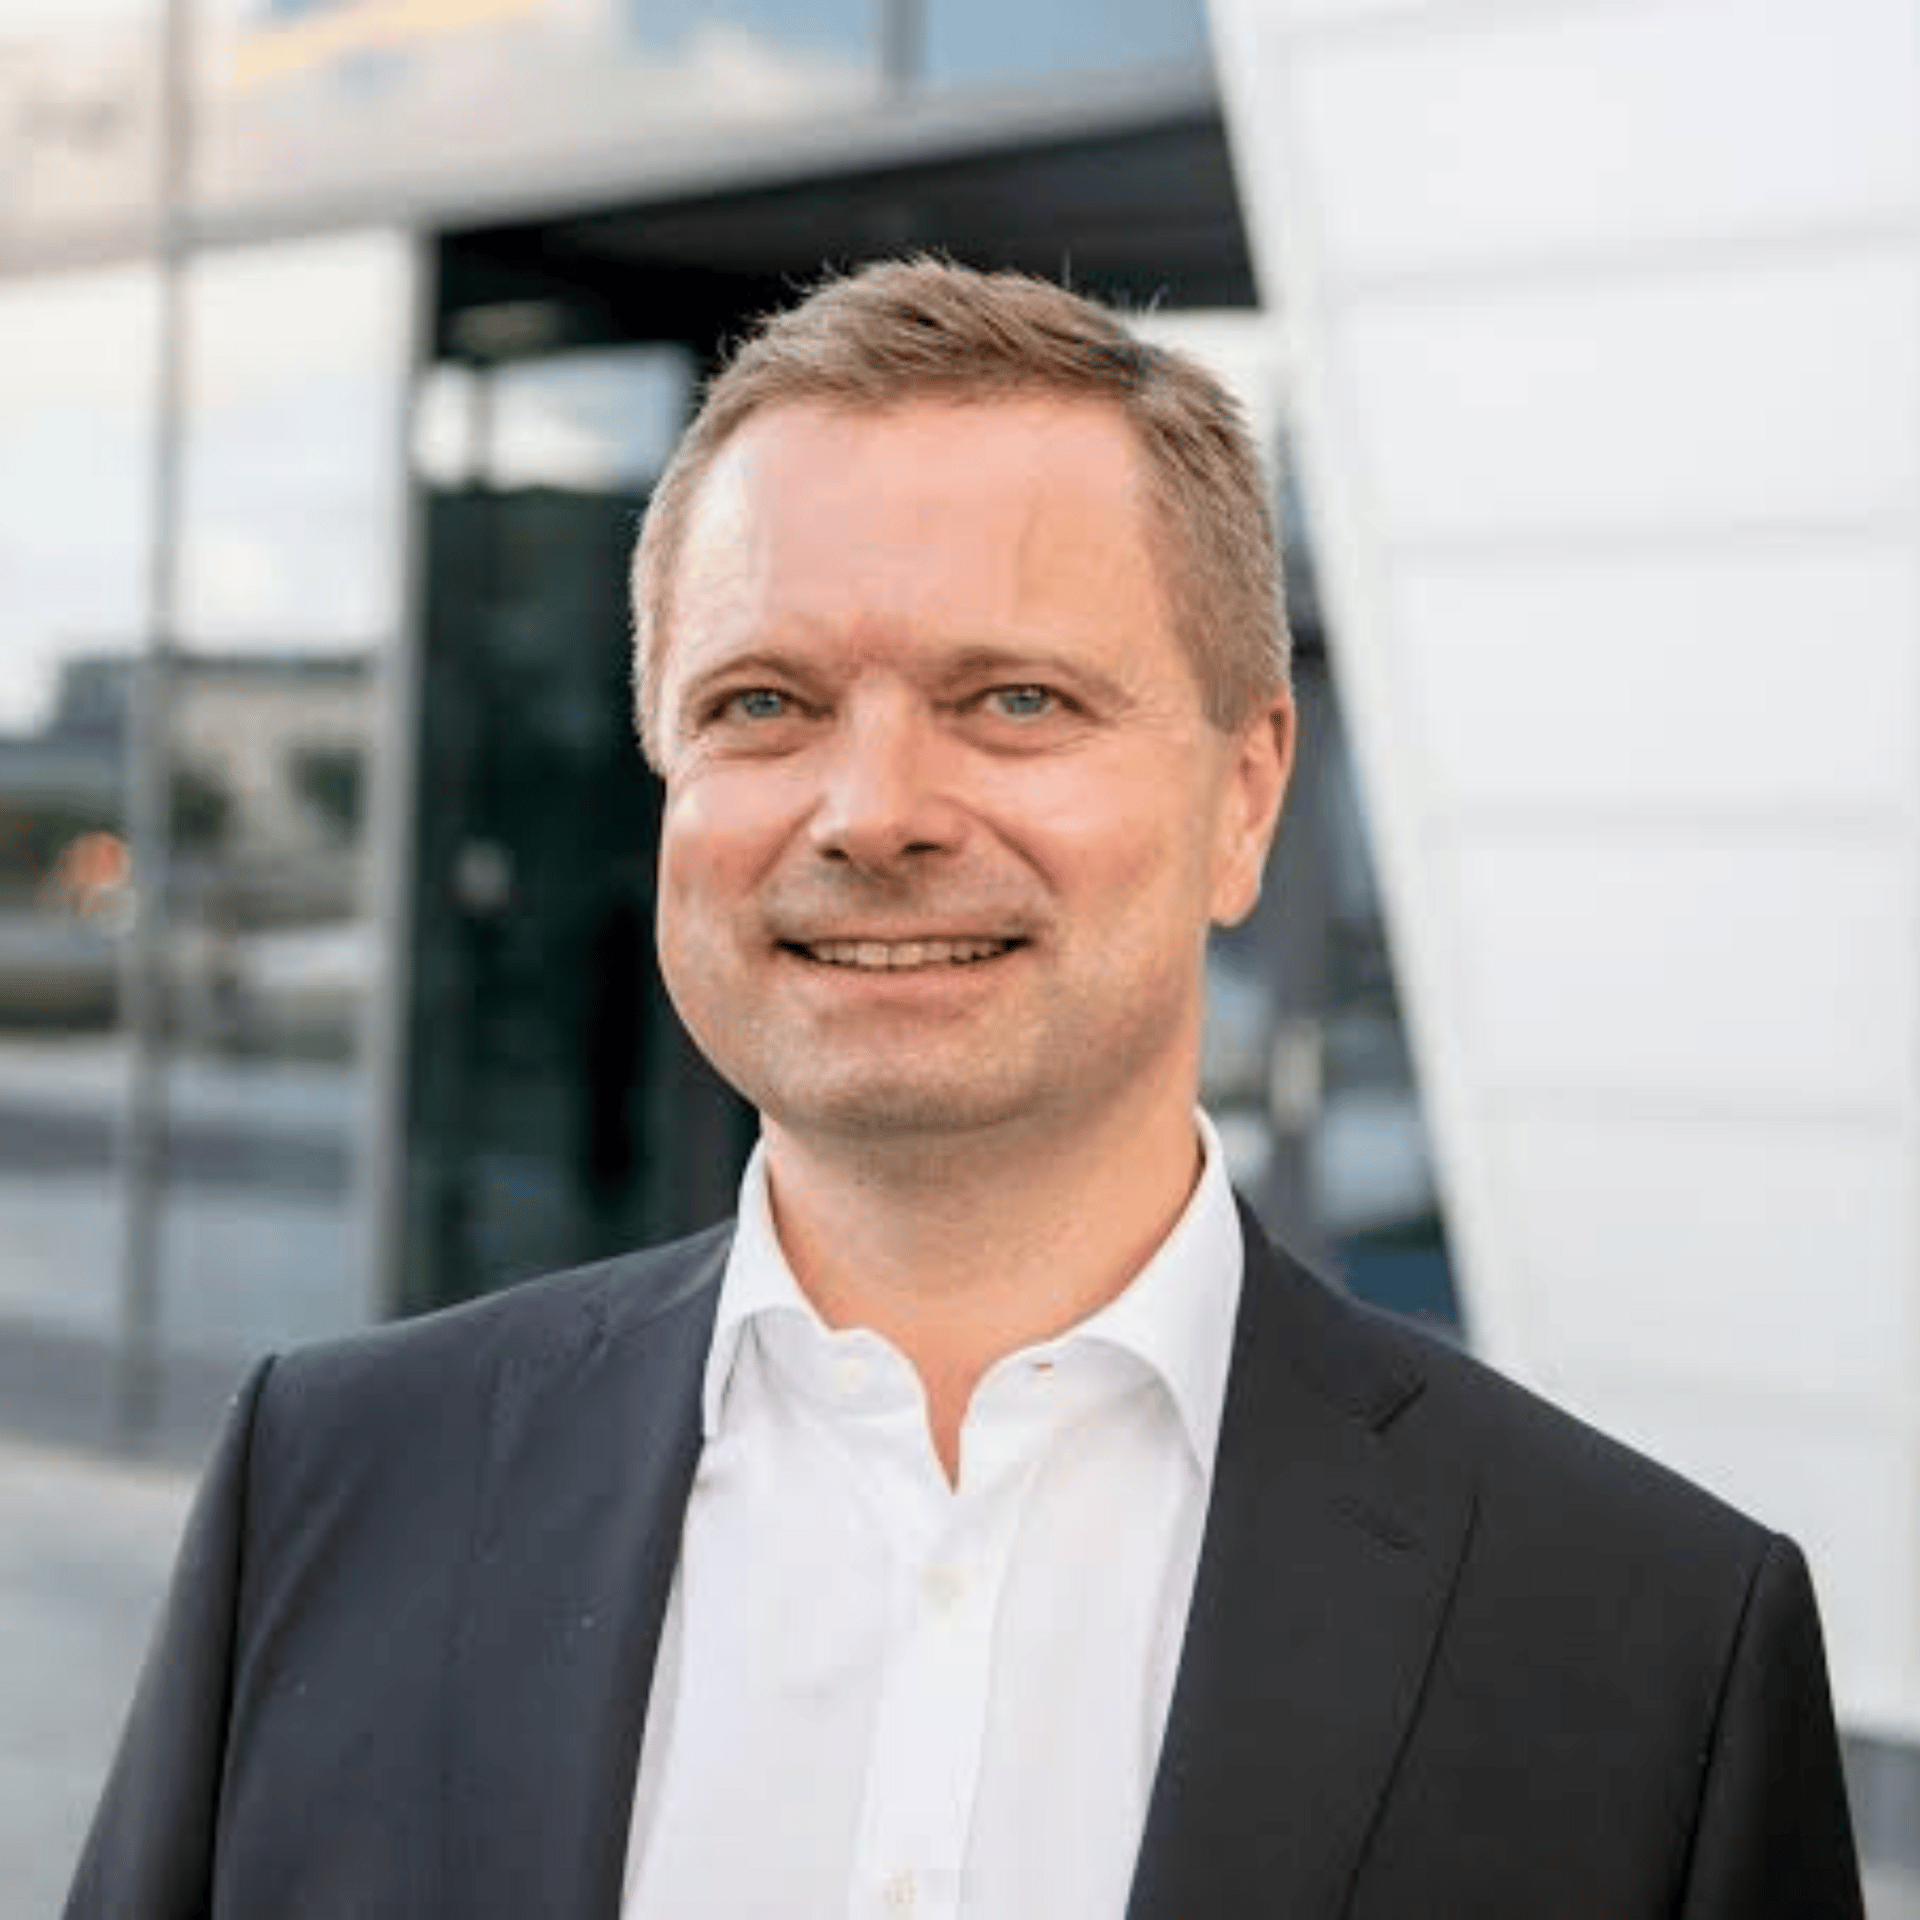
(892, 1111)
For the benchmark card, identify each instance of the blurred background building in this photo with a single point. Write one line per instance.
(341, 341)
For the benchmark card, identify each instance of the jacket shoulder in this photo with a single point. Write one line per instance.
(1532, 1463)
(1536, 1457)
(531, 1322)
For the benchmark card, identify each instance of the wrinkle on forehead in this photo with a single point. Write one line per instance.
(996, 524)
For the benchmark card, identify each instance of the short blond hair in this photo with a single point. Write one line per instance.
(926, 329)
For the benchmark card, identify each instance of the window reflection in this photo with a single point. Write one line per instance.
(332, 96)
(708, 32)
(971, 41)
(296, 369)
(289, 588)
(599, 420)
(77, 368)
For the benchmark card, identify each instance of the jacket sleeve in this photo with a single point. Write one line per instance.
(1773, 1839)
(151, 1847)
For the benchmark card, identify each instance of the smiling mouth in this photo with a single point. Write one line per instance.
(899, 956)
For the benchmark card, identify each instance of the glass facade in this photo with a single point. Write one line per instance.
(968, 42)
(297, 377)
(246, 662)
(694, 32)
(448, 103)
(78, 368)
(443, 101)
(288, 610)
(590, 420)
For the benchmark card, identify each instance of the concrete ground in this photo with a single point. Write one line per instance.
(85, 1544)
(86, 1539)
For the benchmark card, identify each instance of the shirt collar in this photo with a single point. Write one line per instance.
(757, 1281)
(1176, 1314)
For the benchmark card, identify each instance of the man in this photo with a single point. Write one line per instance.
(990, 1524)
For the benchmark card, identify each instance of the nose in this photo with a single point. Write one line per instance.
(885, 795)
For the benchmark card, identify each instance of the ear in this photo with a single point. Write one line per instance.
(1256, 788)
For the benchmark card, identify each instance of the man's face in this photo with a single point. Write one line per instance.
(945, 822)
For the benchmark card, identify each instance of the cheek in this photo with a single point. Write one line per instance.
(699, 877)
(1193, 851)
(1128, 864)
(717, 835)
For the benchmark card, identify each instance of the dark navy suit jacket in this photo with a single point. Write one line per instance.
(1451, 1655)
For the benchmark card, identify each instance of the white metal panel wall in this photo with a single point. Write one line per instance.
(1603, 325)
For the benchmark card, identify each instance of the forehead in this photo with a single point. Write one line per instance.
(1027, 507)
(1020, 450)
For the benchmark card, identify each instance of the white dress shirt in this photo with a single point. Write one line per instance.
(879, 1695)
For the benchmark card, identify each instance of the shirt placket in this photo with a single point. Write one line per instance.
(930, 1715)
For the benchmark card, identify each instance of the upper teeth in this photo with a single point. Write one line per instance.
(903, 953)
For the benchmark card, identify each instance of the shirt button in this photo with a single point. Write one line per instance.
(897, 1893)
(944, 1586)
(850, 1372)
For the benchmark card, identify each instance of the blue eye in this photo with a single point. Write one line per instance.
(1023, 703)
(759, 703)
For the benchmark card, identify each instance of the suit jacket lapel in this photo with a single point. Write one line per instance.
(1330, 1550)
(594, 1441)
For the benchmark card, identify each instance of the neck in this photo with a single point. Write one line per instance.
(963, 1250)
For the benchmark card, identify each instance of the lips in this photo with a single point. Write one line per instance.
(895, 956)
